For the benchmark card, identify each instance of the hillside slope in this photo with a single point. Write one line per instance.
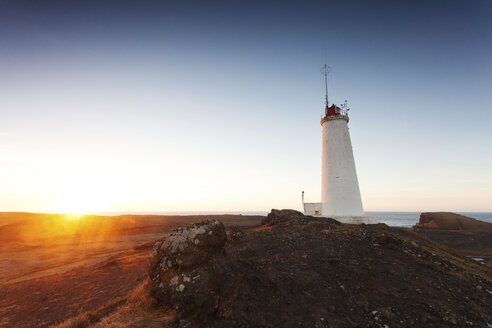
(298, 271)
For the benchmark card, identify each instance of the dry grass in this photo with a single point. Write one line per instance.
(89, 264)
(140, 311)
(262, 228)
(83, 320)
(140, 297)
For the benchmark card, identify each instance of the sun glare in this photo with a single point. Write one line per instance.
(78, 201)
(72, 216)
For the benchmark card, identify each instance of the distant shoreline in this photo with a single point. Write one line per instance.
(393, 219)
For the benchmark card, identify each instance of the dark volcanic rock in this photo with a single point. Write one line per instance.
(179, 270)
(292, 216)
(297, 271)
(279, 216)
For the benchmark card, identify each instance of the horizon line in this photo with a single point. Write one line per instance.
(205, 212)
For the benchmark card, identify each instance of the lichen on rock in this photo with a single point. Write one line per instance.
(178, 274)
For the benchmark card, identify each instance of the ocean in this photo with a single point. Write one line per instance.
(394, 219)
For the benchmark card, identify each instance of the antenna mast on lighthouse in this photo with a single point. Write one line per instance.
(325, 70)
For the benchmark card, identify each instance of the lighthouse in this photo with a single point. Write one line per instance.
(340, 193)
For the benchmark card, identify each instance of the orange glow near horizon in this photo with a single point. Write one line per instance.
(77, 199)
(72, 216)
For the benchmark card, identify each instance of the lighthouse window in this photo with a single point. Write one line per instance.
(316, 212)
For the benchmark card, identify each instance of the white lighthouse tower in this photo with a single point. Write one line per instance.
(340, 194)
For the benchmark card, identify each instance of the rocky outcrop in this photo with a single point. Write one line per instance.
(291, 217)
(179, 270)
(280, 216)
(451, 221)
(466, 235)
(298, 271)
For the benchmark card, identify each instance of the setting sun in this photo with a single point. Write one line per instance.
(72, 216)
(78, 200)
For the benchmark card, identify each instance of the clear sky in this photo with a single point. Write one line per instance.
(215, 105)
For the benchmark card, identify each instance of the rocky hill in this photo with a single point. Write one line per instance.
(299, 271)
(469, 236)
(452, 221)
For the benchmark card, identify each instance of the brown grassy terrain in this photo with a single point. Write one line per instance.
(93, 270)
(53, 267)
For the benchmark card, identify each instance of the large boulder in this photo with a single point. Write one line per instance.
(179, 271)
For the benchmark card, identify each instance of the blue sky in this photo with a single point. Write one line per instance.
(169, 106)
